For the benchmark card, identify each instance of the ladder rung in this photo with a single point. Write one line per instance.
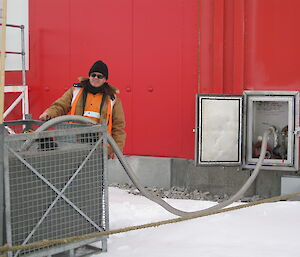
(13, 26)
(14, 53)
(15, 88)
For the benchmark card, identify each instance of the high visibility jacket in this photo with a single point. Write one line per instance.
(115, 120)
(92, 107)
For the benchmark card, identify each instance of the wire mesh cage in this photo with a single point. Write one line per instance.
(55, 186)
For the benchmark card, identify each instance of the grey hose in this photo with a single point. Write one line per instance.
(65, 118)
(147, 193)
(54, 121)
(175, 211)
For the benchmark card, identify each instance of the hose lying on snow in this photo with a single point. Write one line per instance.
(136, 181)
(175, 211)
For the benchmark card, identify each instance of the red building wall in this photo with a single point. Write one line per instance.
(160, 55)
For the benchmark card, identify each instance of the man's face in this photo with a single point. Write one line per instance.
(97, 79)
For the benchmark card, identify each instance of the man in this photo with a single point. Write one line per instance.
(93, 98)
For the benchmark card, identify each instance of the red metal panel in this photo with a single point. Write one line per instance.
(239, 47)
(222, 46)
(206, 46)
(157, 77)
(218, 46)
(190, 66)
(165, 78)
(229, 46)
(272, 57)
(49, 52)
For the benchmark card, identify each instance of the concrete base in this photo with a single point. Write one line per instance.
(216, 180)
(151, 171)
(169, 172)
(289, 185)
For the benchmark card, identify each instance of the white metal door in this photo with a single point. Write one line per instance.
(219, 130)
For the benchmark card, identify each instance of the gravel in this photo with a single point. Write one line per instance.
(183, 193)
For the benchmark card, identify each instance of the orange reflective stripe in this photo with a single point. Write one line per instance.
(109, 116)
(76, 96)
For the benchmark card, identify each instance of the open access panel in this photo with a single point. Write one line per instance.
(229, 129)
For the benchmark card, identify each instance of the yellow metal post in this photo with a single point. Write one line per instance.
(2, 58)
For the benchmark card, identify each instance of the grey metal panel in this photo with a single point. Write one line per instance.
(284, 101)
(289, 185)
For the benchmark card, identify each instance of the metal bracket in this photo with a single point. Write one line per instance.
(297, 131)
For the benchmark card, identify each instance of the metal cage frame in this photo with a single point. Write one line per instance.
(48, 178)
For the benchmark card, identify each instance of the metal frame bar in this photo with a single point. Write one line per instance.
(23, 55)
(13, 105)
(2, 129)
(2, 57)
(105, 182)
(11, 25)
(10, 52)
(63, 248)
(50, 133)
(7, 200)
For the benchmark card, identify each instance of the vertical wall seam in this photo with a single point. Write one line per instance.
(198, 46)
(218, 44)
(239, 46)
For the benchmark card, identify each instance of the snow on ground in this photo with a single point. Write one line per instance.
(261, 231)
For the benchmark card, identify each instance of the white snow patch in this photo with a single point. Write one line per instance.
(264, 230)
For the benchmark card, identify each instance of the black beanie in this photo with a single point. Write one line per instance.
(100, 67)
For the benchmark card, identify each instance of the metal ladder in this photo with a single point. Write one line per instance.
(23, 88)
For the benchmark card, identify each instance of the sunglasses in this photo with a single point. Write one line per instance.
(98, 76)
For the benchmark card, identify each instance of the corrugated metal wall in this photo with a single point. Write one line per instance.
(160, 54)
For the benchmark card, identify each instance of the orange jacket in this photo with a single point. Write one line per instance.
(92, 107)
(63, 106)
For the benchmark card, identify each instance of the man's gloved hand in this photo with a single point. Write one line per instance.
(44, 116)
